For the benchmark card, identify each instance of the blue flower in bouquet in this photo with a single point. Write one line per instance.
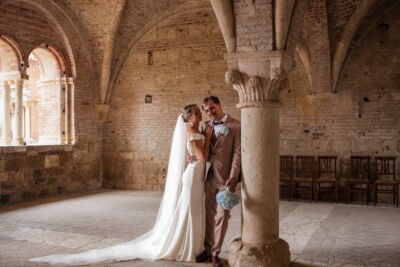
(227, 199)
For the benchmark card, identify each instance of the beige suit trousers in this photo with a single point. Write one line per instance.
(216, 217)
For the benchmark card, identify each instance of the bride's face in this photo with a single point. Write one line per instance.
(196, 115)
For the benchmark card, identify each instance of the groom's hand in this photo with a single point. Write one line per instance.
(231, 184)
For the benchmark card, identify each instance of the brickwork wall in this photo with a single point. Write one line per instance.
(254, 24)
(28, 173)
(100, 19)
(339, 12)
(362, 118)
(188, 65)
(28, 20)
(8, 61)
(318, 44)
(49, 112)
(135, 16)
(138, 18)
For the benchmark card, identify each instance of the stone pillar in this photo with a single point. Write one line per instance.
(64, 111)
(257, 77)
(28, 121)
(69, 106)
(6, 113)
(18, 138)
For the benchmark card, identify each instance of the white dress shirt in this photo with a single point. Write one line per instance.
(217, 128)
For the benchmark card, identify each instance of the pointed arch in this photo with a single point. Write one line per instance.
(342, 47)
(122, 56)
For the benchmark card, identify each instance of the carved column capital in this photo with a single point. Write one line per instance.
(253, 90)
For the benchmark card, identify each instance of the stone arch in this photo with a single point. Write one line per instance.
(283, 17)
(44, 100)
(65, 23)
(189, 6)
(75, 49)
(342, 47)
(224, 12)
(53, 65)
(295, 39)
(10, 55)
(305, 57)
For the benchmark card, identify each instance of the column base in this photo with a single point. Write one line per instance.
(275, 254)
(18, 141)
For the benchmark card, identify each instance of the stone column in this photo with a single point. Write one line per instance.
(69, 106)
(28, 121)
(6, 113)
(257, 78)
(64, 111)
(18, 138)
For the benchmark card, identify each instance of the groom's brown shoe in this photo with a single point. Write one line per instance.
(203, 257)
(216, 262)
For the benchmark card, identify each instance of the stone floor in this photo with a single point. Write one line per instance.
(319, 234)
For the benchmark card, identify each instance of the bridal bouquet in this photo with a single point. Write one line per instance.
(227, 199)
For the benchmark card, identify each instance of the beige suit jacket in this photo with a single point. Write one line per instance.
(224, 157)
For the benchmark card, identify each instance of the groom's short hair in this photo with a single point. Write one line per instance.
(212, 98)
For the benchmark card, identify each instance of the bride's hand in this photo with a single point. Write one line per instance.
(208, 132)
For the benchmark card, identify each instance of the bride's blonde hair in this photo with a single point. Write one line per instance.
(187, 111)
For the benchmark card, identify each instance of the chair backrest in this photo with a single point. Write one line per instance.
(360, 167)
(327, 166)
(305, 166)
(286, 166)
(385, 168)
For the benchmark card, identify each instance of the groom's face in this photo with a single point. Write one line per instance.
(214, 111)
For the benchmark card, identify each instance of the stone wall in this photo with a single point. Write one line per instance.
(253, 24)
(363, 117)
(339, 12)
(177, 63)
(314, 121)
(30, 172)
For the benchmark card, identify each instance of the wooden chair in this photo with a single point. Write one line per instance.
(327, 175)
(359, 180)
(304, 178)
(286, 174)
(385, 182)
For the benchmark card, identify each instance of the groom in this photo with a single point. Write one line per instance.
(223, 170)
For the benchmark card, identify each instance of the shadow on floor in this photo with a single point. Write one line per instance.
(32, 203)
(305, 264)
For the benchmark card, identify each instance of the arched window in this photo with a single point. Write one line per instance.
(47, 98)
(9, 62)
(10, 88)
(36, 101)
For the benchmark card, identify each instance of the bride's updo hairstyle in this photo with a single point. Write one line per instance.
(187, 112)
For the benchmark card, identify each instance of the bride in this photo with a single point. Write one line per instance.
(179, 231)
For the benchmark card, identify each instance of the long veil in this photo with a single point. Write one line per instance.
(153, 244)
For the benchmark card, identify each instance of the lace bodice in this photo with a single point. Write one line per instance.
(195, 136)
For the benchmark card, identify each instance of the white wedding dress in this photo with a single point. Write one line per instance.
(179, 231)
